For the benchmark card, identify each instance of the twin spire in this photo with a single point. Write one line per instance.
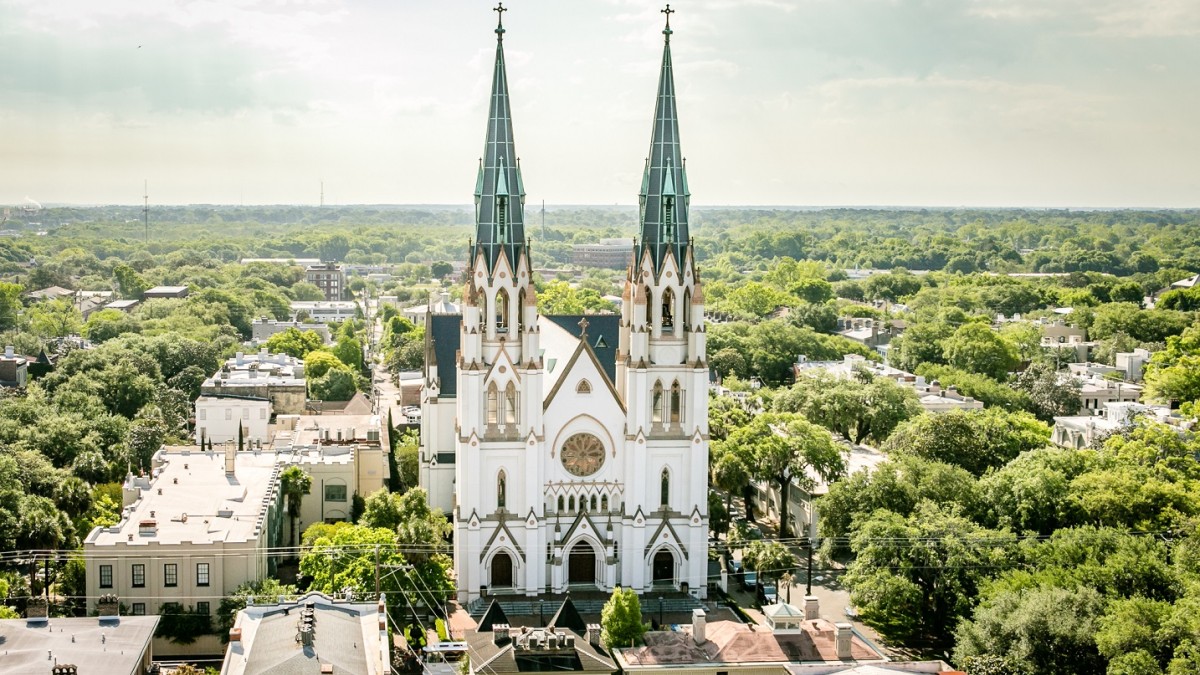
(500, 193)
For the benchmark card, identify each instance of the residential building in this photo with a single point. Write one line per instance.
(123, 305)
(310, 634)
(329, 277)
(345, 455)
(161, 292)
(1133, 364)
(14, 369)
(322, 310)
(441, 305)
(564, 644)
(727, 646)
(218, 420)
(108, 644)
(277, 378)
(1081, 431)
(262, 328)
(193, 530)
(803, 515)
(1096, 392)
(570, 451)
(613, 253)
(873, 333)
(50, 293)
(1069, 341)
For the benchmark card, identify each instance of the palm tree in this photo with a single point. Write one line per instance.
(294, 483)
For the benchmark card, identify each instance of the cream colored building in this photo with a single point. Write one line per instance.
(200, 525)
(278, 378)
(218, 419)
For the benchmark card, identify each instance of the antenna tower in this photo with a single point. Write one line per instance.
(146, 208)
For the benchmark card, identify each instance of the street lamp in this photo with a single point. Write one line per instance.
(808, 577)
(542, 612)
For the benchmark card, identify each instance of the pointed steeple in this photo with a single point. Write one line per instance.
(664, 196)
(499, 211)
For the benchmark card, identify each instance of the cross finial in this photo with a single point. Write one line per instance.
(583, 324)
(499, 10)
(668, 11)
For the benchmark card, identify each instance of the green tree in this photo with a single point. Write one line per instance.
(977, 348)
(263, 591)
(294, 483)
(319, 362)
(920, 343)
(973, 439)
(770, 559)
(130, 284)
(55, 318)
(1049, 394)
(382, 509)
(349, 351)
(334, 385)
(621, 619)
(914, 578)
(785, 448)
(440, 269)
(1042, 631)
(295, 342)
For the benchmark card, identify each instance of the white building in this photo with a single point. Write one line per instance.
(325, 310)
(344, 454)
(190, 532)
(218, 419)
(442, 305)
(1081, 431)
(572, 452)
(931, 395)
(309, 635)
(278, 378)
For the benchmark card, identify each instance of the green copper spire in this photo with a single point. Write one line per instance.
(664, 196)
(499, 214)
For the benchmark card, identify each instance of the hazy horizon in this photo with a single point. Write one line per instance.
(982, 104)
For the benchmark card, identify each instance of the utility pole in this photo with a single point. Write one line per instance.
(376, 571)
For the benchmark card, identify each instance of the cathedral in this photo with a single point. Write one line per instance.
(571, 452)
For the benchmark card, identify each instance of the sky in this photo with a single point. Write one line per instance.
(1042, 103)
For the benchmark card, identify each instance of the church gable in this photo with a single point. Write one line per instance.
(583, 378)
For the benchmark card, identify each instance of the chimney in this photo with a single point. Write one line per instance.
(235, 635)
(500, 633)
(306, 635)
(812, 608)
(262, 354)
(37, 608)
(843, 636)
(240, 358)
(108, 606)
(698, 621)
(230, 458)
(593, 634)
(64, 669)
(8, 352)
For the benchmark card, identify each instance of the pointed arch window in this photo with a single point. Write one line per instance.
(584, 387)
(604, 502)
(593, 502)
(571, 504)
(501, 490)
(502, 311)
(687, 307)
(561, 504)
(510, 404)
(649, 303)
(493, 405)
(656, 404)
(665, 488)
(521, 311)
(668, 309)
(676, 403)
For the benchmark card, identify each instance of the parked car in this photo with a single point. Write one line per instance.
(734, 567)
(750, 581)
(768, 594)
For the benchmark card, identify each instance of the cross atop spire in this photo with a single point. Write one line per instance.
(583, 324)
(500, 10)
(667, 31)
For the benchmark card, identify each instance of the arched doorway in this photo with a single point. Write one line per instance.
(581, 564)
(502, 570)
(664, 567)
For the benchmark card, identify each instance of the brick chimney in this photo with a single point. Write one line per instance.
(37, 608)
(108, 606)
(593, 634)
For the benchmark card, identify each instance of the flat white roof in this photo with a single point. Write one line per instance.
(218, 507)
